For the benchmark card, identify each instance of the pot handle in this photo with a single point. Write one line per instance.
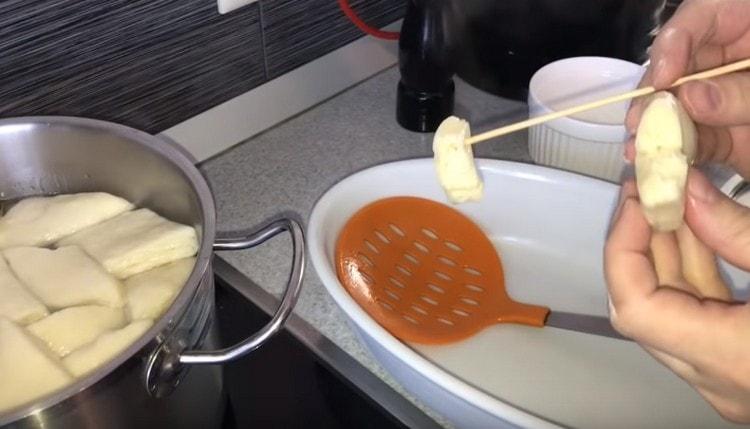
(287, 302)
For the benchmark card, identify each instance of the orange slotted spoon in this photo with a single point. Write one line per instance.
(429, 275)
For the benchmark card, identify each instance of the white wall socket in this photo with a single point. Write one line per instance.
(226, 6)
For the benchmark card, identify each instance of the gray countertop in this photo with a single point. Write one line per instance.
(289, 167)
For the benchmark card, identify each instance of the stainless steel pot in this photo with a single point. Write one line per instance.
(47, 155)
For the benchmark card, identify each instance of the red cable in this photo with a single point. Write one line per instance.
(387, 35)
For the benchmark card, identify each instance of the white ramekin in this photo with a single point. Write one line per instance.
(581, 145)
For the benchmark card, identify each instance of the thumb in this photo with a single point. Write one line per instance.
(717, 220)
(721, 101)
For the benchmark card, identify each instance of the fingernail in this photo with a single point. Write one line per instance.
(703, 96)
(701, 190)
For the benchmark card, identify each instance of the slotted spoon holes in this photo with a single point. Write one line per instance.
(474, 288)
(472, 271)
(432, 235)
(419, 310)
(366, 278)
(385, 305)
(396, 282)
(447, 261)
(411, 258)
(469, 301)
(392, 295)
(435, 288)
(371, 246)
(445, 321)
(428, 300)
(396, 230)
(382, 237)
(421, 247)
(453, 246)
(403, 270)
(410, 319)
(442, 276)
(461, 313)
(365, 259)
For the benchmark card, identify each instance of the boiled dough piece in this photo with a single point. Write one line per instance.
(151, 292)
(16, 303)
(136, 241)
(73, 327)
(666, 144)
(454, 161)
(40, 221)
(64, 277)
(106, 347)
(27, 369)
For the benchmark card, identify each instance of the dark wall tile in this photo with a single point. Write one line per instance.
(298, 31)
(146, 63)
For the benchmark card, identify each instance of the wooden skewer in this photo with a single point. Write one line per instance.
(507, 129)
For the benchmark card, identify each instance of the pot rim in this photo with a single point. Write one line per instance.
(177, 156)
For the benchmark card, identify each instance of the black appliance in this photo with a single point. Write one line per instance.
(299, 379)
(496, 45)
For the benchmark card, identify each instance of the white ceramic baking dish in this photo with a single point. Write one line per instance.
(549, 226)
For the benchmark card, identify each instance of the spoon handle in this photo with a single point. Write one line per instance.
(587, 324)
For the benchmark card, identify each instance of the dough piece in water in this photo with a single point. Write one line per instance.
(104, 348)
(27, 369)
(64, 277)
(40, 221)
(454, 161)
(135, 242)
(16, 303)
(666, 144)
(73, 327)
(151, 292)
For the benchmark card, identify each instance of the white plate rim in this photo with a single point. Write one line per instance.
(457, 387)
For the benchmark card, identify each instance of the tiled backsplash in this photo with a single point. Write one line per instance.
(154, 63)
(298, 31)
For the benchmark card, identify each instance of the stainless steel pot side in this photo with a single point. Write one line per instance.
(48, 155)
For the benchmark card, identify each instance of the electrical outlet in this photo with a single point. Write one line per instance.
(226, 6)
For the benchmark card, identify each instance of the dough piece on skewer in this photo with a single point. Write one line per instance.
(454, 161)
(666, 144)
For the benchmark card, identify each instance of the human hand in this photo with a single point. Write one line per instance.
(690, 327)
(704, 34)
